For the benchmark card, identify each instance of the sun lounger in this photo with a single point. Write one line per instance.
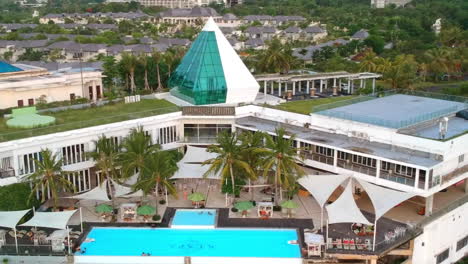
(346, 243)
(339, 243)
(352, 245)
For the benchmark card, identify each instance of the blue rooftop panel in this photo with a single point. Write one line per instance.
(5, 67)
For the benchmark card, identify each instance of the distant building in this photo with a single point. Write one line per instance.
(384, 3)
(22, 85)
(174, 3)
(188, 16)
(360, 35)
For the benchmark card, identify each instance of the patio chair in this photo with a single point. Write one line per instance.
(346, 244)
(339, 243)
(352, 245)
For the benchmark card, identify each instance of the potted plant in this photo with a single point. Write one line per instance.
(156, 217)
(162, 201)
(234, 210)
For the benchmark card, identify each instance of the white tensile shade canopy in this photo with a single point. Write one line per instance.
(345, 210)
(99, 193)
(138, 193)
(321, 187)
(10, 219)
(241, 84)
(196, 154)
(190, 166)
(57, 220)
(383, 200)
(120, 190)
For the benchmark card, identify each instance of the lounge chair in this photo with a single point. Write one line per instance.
(339, 243)
(352, 245)
(346, 243)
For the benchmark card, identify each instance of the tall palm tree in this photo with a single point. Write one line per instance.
(143, 60)
(276, 58)
(229, 159)
(136, 148)
(105, 155)
(49, 174)
(159, 168)
(157, 58)
(250, 143)
(282, 158)
(129, 63)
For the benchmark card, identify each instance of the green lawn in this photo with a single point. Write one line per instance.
(74, 119)
(305, 106)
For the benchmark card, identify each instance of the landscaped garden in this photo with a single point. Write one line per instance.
(306, 106)
(93, 116)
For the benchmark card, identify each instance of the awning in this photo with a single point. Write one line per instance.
(193, 171)
(382, 198)
(120, 190)
(133, 179)
(197, 155)
(57, 235)
(10, 219)
(58, 220)
(138, 193)
(345, 210)
(97, 194)
(321, 186)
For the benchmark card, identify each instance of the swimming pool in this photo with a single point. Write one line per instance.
(194, 218)
(167, 245)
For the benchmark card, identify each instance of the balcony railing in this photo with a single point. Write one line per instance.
(200, 139)
(318, 157)
(357, 168)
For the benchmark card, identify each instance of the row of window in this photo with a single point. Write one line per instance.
(441, 257)
(74, 154)
(166, 135)
(80, 179)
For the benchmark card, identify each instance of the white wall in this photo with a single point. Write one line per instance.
(441, 234)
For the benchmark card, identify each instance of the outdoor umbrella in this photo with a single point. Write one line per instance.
(243, 206)
(104, 208)
(289, 204)
(146, 210)
(196, 197)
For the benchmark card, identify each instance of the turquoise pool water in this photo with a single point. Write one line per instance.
(194, 217)
(191, 242)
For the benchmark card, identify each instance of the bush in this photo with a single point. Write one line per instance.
(234, 210)
(16, 197)
(156, 217)
(276, 208)
(162, 201)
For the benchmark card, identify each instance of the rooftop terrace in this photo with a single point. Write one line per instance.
(395, 111)
(88, 117)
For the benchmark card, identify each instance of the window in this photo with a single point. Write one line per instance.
(73, 154)
(27, 164)
(72, 96)
(167, 135)
(90, 92)
(98, 91)
(462, 243)
(343, 155)
(324, 151)
(405, 171)
(461, 158)
(20, 103)
(370, 162)
(30, 101)
(442, 256)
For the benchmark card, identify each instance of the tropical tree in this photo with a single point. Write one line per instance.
(158, 58)
(276, 58)
(50, 176)
(143, 60)
(281, 157)
(137, 147)
(129, 64)
(159, 168)
(105, 155)
(229, 159)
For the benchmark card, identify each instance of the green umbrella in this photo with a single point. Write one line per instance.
(243, 206)
(104, 208)
(146, 210)
(289, 204)
(196, 197)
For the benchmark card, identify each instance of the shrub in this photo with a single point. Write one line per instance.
(234, 210)
(162, 201)
(156, 217)
(276, 208)
(16, 197)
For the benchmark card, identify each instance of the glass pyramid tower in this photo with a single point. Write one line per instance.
(199, 79)
(212, 73)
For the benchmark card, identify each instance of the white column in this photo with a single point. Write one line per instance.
(321, 85)
(299, 86)
(294, 88)
(377, 172)
(334, 82)
(349, 85)
(429, 205)
(279, 88)
(272, 87)
(361, 83)
(466, 184)
(373, 85)
(265, 88)
(335, 158)
(308, 86)
(416, 180)
(94, 91)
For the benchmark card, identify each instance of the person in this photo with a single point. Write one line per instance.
(83, 251)
(143, 253)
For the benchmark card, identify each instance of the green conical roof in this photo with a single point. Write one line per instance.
(199, 79)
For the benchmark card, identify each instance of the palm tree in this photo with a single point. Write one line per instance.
(49, 174)
(143, 60)
(438, 62)
(250, 143)
(229, 159)
(276, 58)
(137, 147)
(157, 58)
(282, 158)
(159, 168)
(129, 63)
(105, 156)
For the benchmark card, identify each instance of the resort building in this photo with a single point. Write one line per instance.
(386, 174)
(212, 73)
(25, 85)
(188, 16)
